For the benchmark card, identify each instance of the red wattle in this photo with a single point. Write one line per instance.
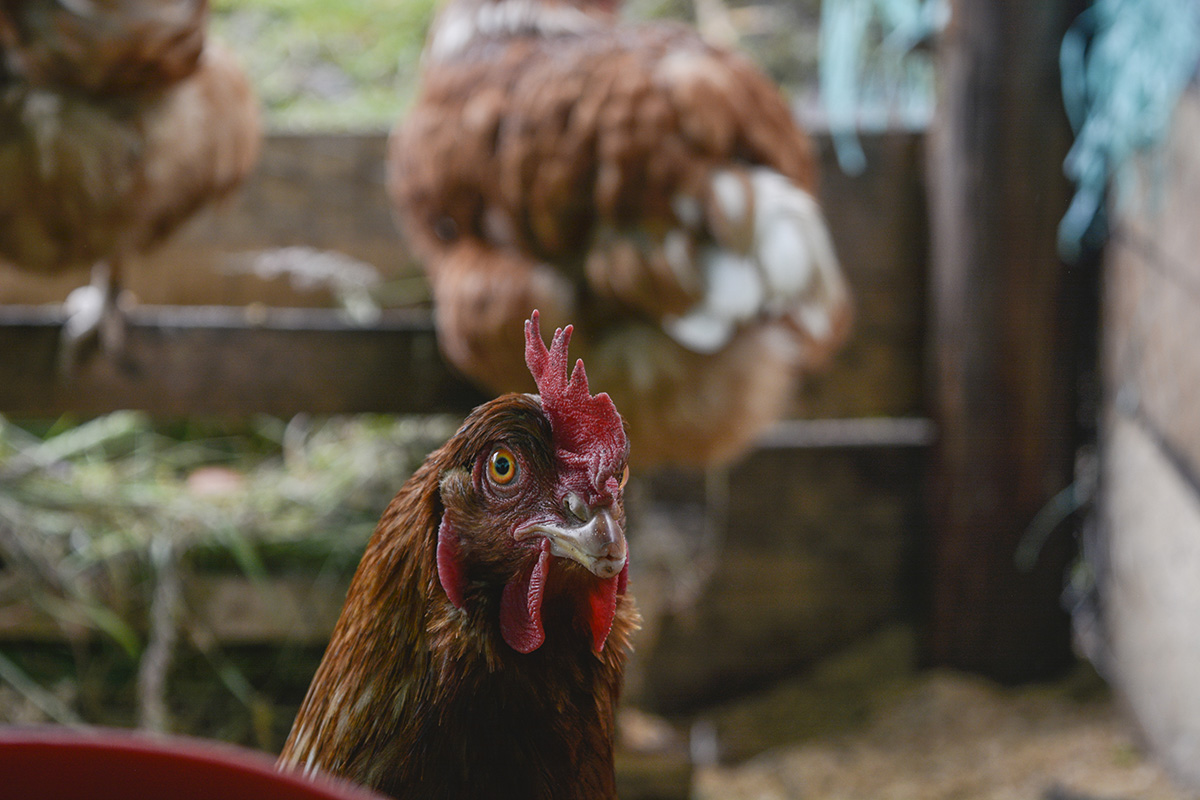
(521, 605)
(450, 572)
(602, 606)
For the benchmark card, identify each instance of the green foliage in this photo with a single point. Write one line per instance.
(80, 506)
(321, 65)
(84, 506)
(317, 64)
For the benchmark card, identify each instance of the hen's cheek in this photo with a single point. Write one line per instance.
(503, 498)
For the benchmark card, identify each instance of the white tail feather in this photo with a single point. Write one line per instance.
(786, 268)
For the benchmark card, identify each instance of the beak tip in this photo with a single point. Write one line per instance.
(609, 569)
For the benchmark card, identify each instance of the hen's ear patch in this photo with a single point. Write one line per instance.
(449, 564)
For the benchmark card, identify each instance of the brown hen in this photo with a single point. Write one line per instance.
(481, 647)
(119, 119)
(652, 187)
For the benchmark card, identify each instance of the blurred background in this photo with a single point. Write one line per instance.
(963, 565)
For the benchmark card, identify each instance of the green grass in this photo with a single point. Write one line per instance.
(327, 65)
(84, 508)
(322, 65)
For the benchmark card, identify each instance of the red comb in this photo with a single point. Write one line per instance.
(583, 424)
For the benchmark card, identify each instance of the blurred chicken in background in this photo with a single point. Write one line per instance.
(119, 119)
(634, 179)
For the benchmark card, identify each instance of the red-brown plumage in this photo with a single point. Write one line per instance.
(623, 177)
(435, 682)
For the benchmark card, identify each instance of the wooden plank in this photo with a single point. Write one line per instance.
(293, 610)
(1150, 537)
(230, 361)
(1152, 302)
(1005, 332)
(1154, 207)
(1150, 644)
(805, 434)
(878, 222)
(814, 549)
(233, 608)
(326, 192)
(1152, 323)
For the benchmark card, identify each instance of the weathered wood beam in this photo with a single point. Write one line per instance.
(1145, 552)
(185, 360)
(857, 433)
(1153, 292)
(326, 192)
(255, 359)
(1004, 336)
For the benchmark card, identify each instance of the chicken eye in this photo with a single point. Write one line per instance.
(445, 229)
(502, 466)
(625, 476)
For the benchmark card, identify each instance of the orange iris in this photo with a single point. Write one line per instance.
(502, 466)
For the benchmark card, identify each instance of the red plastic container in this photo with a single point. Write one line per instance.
(48, 763)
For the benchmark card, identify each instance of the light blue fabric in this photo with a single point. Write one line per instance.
(871, 76)
(1125, 64)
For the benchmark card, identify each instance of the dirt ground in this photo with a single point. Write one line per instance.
(949, 737)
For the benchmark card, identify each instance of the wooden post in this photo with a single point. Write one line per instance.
(1004, 336)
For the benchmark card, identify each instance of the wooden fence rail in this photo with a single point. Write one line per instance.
(326, 192)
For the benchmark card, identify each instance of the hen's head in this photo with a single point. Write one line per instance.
(534, 509)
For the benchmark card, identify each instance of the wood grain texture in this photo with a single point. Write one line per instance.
(1146, 551)
(314, 190)
(1149, 602)
(1151, 370)
(326, 192)
(879, 224)
(817, 548)
(1152, 301)
(227, 361)
(1004, 337)
(1154, 207)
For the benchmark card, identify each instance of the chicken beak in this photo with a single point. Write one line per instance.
(597, 542)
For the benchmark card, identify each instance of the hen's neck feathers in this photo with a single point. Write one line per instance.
(418, 699)
(377, 648)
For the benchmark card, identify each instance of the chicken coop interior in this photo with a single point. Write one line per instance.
(917, 519)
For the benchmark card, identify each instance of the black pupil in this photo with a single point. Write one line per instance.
(503, 465)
